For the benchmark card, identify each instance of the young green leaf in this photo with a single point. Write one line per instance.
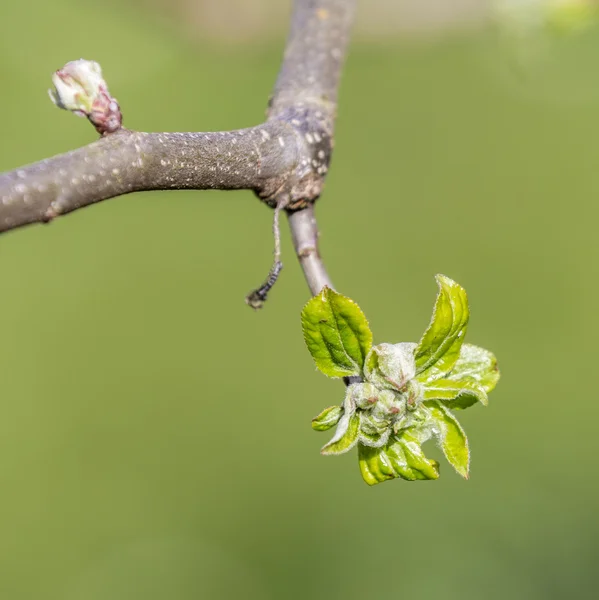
(451, 438)
(336, 333)
(328, 418)
(375, 465)
(476, 364)
(456, 394)
(439, 348)
(346, 436)
(399, 458)
(421, 466)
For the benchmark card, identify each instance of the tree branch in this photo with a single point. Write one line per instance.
(258, 158)
(314, 55)
(284, 160)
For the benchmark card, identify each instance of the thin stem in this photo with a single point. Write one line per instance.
(276, 229)
(304, 232)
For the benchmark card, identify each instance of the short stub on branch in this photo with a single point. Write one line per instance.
(256, 298)
(81, 89)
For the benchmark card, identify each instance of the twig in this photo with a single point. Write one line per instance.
(304, 231)
(287, 157)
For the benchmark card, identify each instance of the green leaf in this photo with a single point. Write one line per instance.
(336, 333)
(476, 364)
(456, 394)
(346, 436)
(399, 458)
(328, 418)
(421, 466)
(375, 465)
(439, 348)
(451, 438)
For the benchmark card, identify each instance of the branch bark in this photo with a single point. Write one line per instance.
(284, 160)
(257, 158)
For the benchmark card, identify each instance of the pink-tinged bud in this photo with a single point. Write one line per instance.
(81, 89)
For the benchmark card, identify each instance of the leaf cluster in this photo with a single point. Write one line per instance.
(406, 392)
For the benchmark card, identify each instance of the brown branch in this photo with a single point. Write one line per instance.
(258, 158)
(314, 55)
(284, 160)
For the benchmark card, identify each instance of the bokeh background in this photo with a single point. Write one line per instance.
(155, 435)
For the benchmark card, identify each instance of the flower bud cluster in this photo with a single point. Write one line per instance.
(389, 398)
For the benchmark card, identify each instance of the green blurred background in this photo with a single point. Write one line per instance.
(155, 435)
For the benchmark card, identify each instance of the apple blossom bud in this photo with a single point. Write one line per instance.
(81, 89)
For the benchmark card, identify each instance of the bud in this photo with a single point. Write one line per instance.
(391, 405)
(363, 395)
(81, 89)
(391, 366)
(374, 432)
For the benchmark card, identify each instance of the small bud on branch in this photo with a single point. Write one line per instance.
(81, 89)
